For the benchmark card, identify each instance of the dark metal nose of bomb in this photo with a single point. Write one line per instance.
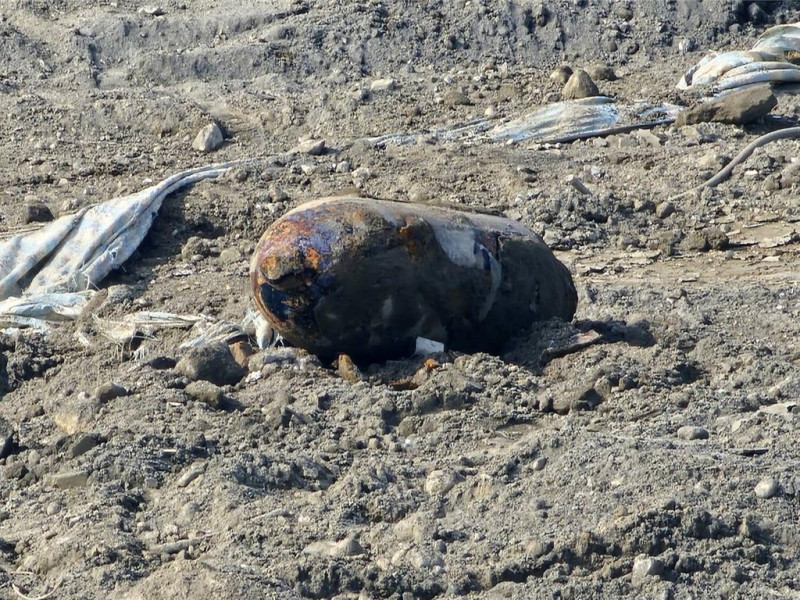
(367, 277)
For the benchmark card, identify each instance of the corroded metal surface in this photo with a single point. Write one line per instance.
(367, 277)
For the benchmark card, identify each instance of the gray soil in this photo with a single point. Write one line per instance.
(660, 463)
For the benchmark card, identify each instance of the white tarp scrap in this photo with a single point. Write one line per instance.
(49, 274)
(774, 58)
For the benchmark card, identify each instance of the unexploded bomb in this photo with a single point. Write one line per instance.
(367, 277)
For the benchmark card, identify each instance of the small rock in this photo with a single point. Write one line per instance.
(440, 482)
(601, 72)
(7, 441)
(212, 362)
(74, 413)
(360, 175)
(580, 85)
(575, 182)
(690, 432)
(16, 470)
(456, 98)
(767, 488)
(561, 75)
(37, 212)
(696, 241)
(109, 391)
(646, 566)
(230, 256)
(69, 479)
(205, 392)
(382, 85)
(343, 167)
(736, 108)
(540, 463)
(347, 369)
(209, 138)
(190, 474)
(623, 12)
(347, 547)
(312, 147)
(665, 209)
(717, 239)
(241, 352)
(756, 15)
(712, 161)
(195, 246)
(84, 444)
(277, 194)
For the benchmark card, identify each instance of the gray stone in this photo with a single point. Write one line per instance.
(665, 209)
(456, 98)
(561, 75)
(205, 392)
(382, 85)
(767, 488)
(109, 391)
(69, 479)
(208, 139)
(736, 108)
(312, 147)
(580, 85)
(690, 432)
(84, 443)
(440, 482)
(212, 362)
(230, 256)
(601, 72)
(646, 566)
(37, 212)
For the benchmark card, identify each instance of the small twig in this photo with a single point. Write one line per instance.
(44, 597)
(725, 172)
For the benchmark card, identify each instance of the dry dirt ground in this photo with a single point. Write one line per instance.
(661, 463)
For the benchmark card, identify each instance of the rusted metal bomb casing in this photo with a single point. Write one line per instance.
(367, 277)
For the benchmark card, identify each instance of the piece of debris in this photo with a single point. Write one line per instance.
(312, 147)
(61, 262)
(737, 108)
(770, 60)
(37, 212)
(561, 74)
(366, 278)
(205, 392)
(209, 138)
(382, 85)
(109, 391)
(601, 72)
(579, 86)
(424, 347)
(575, 182)
(347, 369)
(211, 362)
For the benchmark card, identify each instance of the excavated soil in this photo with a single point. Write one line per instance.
(661, 462)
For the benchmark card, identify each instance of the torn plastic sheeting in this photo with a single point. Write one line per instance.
(572, 120)
(772, 59)
(39, 270)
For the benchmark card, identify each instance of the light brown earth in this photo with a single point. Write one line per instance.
(498, 477)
